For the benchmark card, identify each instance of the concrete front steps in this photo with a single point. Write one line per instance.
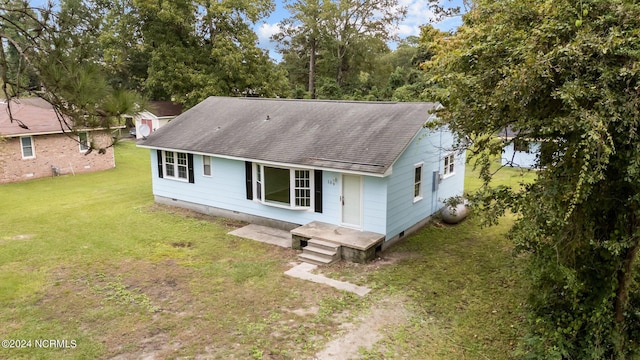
(320, 252)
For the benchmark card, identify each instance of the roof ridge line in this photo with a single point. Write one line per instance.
(321, 100)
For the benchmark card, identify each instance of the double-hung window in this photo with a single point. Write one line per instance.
(175, 165)
(181, 165)
(283, 187)
(169, 164)
(26, 144)
(449, 165)
(206, 165)
(417, 182)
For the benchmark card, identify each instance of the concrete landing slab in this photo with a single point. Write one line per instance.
(303, 271)
(264, 234)
(355, 239)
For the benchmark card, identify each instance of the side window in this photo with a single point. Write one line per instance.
(26, 144)
(83, 140)
(169, 164)
(417, 182)
(449, 165)
(182, 165)
(206, 165)
(177, 166)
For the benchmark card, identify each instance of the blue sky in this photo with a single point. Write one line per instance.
(418, 14)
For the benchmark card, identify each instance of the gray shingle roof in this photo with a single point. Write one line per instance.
(341, 135)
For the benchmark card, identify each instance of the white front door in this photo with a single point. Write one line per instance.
(352, 200)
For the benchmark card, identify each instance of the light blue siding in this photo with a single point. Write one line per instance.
(388, 204)
(225, 189)
(429, 149)
(521, 159)
(374, 204)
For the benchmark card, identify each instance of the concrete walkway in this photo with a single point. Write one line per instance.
(264, 234)
(303, 271)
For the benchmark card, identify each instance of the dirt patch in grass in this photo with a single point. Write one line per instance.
(130, 309)
(390, 258)
(22, 237)
(148, 309)
(139, 309)
(16, 237)
(370, 327)
(313, 310)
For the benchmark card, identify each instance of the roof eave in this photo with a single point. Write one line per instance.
(39, 133)
(274, 163)
(406, 146)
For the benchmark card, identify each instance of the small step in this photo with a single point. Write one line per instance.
(313, 249)
(320, 252)
(315, 259)
(323, 244)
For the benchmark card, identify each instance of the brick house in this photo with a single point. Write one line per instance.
(44, 149)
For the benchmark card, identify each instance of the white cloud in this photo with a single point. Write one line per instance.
(419, 13)
(264, 32)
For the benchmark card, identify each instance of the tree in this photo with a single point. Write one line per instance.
(565, 73)
(405, 80)
(202, 48)
(14, 64)
(303, 31)
(354, 21)
(336, 38)
(121, 44)
(56, 48)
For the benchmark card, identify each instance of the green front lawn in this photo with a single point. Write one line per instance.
(91, 258)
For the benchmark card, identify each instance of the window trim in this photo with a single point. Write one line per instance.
(31, 146)
(175, 166)
(83, 146)
(418, 182)
(204, 165)
(258, 185)
(449, 165)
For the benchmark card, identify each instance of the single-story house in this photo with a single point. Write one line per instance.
(43, 148)
(519, 151)
(156, 115)
(333, 166)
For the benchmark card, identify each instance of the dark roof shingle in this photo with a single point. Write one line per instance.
(35, 113)
(342, 135)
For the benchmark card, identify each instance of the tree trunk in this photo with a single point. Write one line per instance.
(625, 276)
(312, 69)
(341, 65)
